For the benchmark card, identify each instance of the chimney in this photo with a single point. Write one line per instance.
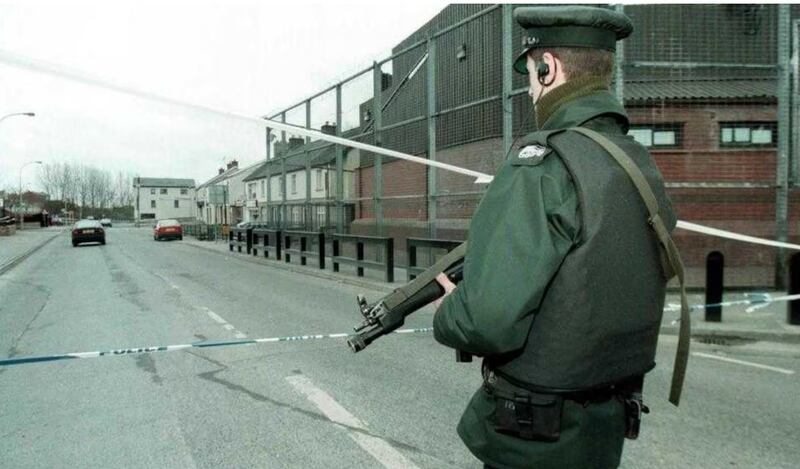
(233, 164)
(296, 142)
(329, 129)
(221, 170)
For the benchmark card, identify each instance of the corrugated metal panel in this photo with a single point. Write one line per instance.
(700, 89)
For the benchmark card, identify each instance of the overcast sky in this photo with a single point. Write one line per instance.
(251, 57)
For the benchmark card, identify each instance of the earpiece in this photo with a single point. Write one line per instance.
(542, 70)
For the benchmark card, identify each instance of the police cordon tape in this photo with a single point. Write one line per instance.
(41, 66)
(175, 348)
(756, 299)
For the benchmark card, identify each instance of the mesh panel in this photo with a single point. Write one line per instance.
(700, 84)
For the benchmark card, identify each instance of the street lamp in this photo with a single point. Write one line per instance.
(19, 194)
(29, 114)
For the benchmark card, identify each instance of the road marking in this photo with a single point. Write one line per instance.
(378, 448)
(166, 280)
(225, 324)
(742, 362)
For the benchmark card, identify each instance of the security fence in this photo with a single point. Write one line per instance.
(712, 90)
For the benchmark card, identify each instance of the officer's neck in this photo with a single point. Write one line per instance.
(562, 94)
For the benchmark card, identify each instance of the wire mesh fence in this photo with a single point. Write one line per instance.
(711, 90)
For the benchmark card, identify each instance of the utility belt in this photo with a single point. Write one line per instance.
(536, 416)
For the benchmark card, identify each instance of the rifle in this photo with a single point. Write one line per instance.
(389, 313)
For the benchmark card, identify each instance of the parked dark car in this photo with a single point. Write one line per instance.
(88, 231)
(167, 229)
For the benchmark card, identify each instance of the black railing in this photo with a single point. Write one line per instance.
(387, 245)
(305, 239)
(411, 248)
(268, 241)
(240, 237)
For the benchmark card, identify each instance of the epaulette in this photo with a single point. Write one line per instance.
(534, 148)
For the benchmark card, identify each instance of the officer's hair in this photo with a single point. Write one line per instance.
(579, 62)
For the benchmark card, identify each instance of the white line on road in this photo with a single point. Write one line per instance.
(216, 317)
(166, 280)
(742, 362)
(378, 448)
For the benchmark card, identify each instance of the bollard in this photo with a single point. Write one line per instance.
(793, 307)
(335, 254)
(715, 267)
(360, 256)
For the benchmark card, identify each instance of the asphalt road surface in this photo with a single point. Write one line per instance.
(300, 404)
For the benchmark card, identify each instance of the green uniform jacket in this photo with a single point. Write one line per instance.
(525, 225)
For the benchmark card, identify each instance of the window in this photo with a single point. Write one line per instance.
(319, 185)
(293, 184)
(177, 204)
(251, 190)
(152, 191)
(747, 134)
(281, 190)
(184, 191)
(163, 191)
(658, 135)
(152, 204)
(263, 182)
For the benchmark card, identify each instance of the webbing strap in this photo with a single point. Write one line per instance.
(403, 293)
(670, 258)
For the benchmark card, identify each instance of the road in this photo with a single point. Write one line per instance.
(299, 404)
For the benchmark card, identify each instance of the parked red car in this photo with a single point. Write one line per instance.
(168, 229)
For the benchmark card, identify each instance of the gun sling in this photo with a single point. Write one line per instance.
(670, 258)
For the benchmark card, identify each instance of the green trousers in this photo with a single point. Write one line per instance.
(591, 437)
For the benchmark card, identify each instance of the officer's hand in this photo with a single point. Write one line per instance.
(448, 288)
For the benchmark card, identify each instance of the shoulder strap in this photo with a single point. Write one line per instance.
(670, 258)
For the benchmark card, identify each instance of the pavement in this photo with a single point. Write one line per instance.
(15, 248)
(309, 404)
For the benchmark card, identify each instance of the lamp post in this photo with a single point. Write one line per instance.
(27, 114)
(19, 194)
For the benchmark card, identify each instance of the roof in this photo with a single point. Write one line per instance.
(229, 173)
(163, 182)
(700, 89)
(322, 153)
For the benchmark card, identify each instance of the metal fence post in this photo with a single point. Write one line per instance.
(377, 122)
(282, 210)
(307, 216)
(619, 59)
(339, 196)
(321, 241)
(784, 137)
(390, 260)
(793, 307)
(360, 256)
(715, 267)
(795, 72)
(335, 254)
(430, 93)
(508, 105)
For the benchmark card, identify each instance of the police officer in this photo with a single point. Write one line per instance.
(564, 281)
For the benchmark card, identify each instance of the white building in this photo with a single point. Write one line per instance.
(222, 199)
(160, 198)
(298, 202)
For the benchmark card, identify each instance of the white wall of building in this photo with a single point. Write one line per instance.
(165, 202)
